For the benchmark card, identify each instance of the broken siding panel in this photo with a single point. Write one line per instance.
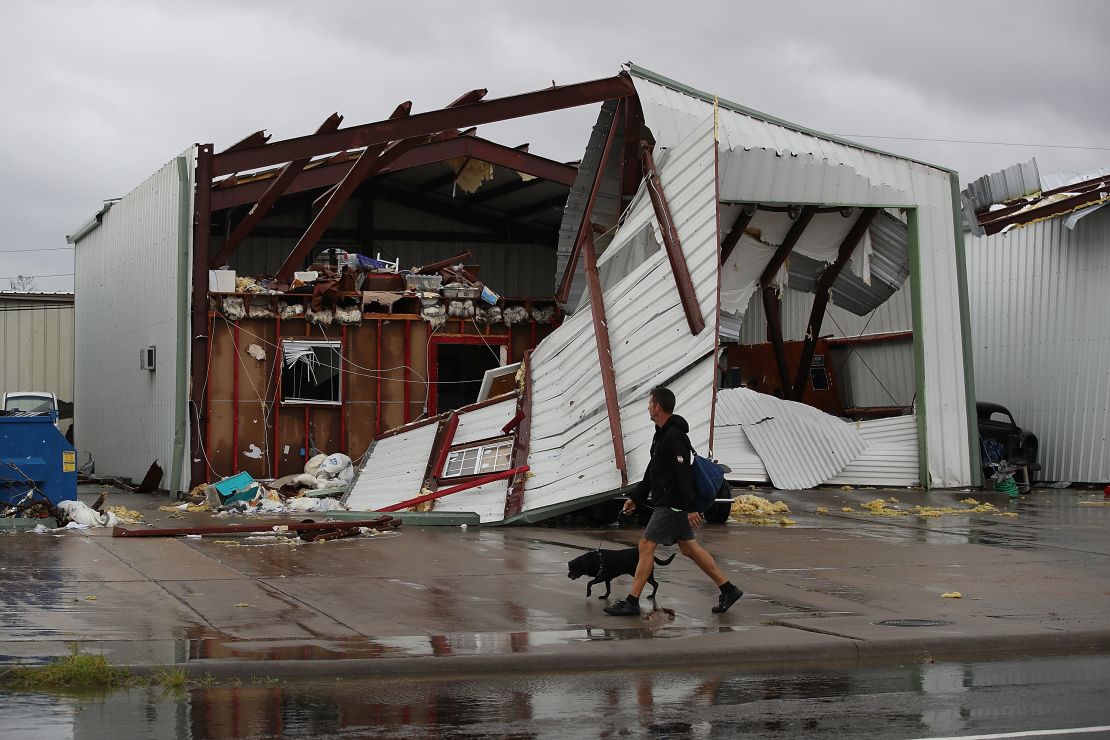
(487, 501)
(801, 446)
(890, 458)
(732, 448)
(1042, 343)
(125, 291)
(484, 423)
(571, 449)
(762, 161)
(394, 471)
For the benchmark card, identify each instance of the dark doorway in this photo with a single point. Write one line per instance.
(460, 370)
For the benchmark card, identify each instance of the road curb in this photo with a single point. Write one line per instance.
(645, 654)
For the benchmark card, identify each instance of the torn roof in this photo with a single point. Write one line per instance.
(990, 206)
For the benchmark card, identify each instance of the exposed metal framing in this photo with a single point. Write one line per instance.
(728, 244)
(631, 165)
(423, 124)
(262, 206)
(433, 363)
(324, 173)
(585, 227)
(672, 243)
(772, 302)
(821, 300)
(456, 489)
(202, 220)
(368, 163)
(605, 356)
(522, 439)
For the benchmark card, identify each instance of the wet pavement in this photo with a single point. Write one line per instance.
(453, 600)
(907, 700)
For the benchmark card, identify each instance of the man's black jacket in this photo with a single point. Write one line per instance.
(669, 478)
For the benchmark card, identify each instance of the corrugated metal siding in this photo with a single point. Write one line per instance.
(1039, 308)
(571, 450)
(763, 162)
(732, 448)
(487, 501)
(36, 344)
(890, 458)
(394, 471)
(125, 292)
(484, 423)
(800, 446)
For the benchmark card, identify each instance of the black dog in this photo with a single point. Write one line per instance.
(605, 565)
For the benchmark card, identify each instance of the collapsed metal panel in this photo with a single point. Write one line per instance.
(801, 446)
(484, 423)
(571, 450)
(394, 470)
(890, 458)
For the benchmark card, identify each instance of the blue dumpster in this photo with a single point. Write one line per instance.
(35, 458)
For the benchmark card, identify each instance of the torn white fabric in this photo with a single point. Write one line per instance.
(81, 513)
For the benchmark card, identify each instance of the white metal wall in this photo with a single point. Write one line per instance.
(36, 346)
(1040, 300)
(764, 161)
(125, 291)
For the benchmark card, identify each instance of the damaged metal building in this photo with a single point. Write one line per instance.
(633, 269)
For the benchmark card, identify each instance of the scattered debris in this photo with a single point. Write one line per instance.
(786, 522)
(125, 515)
(822, 510)
(300, 528)
(952, 595)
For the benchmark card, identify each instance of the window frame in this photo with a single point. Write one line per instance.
(499, 447)
(336, 344)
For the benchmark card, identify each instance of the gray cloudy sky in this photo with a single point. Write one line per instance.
(98, 95)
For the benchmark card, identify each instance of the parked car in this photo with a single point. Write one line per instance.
(1000, 438)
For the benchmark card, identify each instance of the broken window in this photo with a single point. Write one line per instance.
(311, 371)
(479, 460)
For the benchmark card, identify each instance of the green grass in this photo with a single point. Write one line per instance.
(74, 671)
(82, 672)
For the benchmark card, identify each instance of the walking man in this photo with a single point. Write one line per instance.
(668, 486)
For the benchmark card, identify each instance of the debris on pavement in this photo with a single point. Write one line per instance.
(77, 512)
(952, 595)
(300, 528)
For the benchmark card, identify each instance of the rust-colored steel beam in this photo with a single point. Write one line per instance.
(632, 164)
(747, 213)
(381, 522)
(434, 266)
(367, 164)
(325, 173)
(605, 356)
(772, 302)
(198, 321)
(450, 426)
(562, 295)
(456, 489)
(259, 210)
(821, 299)
(1055, 208)
(258, 138)
(522, 440)
(671, 242)
(423, 124)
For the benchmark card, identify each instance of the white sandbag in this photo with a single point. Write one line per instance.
(312, 467)
(82, 513)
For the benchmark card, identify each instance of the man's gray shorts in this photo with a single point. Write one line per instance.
(667, 525)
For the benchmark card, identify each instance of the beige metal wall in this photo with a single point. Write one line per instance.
(36, 345)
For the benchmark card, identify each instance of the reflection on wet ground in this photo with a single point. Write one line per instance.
(896, 701)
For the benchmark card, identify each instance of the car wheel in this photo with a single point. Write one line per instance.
(718, 512)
